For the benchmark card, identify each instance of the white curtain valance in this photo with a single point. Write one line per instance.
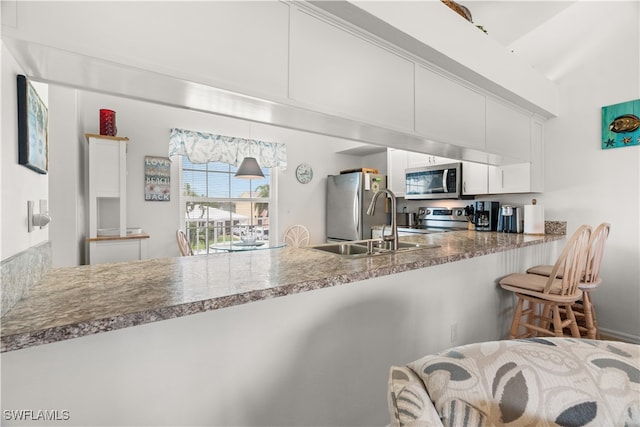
(201, 147)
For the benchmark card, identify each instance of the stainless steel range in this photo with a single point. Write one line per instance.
(436, 220)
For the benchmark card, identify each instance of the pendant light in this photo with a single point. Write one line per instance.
(249, 169)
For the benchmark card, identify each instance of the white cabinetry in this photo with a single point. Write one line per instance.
(448, 111)
(339, 72)
(418, 160)
(508, 131)
(474, 178)
(522, 177)
(396, 165)
(110, 240)
(510, 178)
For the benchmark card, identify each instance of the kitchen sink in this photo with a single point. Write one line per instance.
(349, 249)
(358, 248)
(387, 245)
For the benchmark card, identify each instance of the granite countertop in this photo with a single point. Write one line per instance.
(78, 301)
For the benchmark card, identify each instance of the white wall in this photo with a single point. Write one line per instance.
(19, 184)
(587, 184)
(147, 126)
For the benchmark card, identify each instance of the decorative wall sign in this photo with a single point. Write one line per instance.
(33, 134)
(621, 124)
(157, 178)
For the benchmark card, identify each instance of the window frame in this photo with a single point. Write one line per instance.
(271, 201)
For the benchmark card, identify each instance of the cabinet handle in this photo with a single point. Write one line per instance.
(502, 178)
(464, 186)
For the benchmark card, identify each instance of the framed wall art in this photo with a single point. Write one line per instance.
(33, 134)
(157, 179)
(621, 124)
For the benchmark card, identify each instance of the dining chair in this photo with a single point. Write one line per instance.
(590, 280)
(183, 243)
(547, 295)
(296, 236)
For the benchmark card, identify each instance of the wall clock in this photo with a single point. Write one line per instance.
(304, 173)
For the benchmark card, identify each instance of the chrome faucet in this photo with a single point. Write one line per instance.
(393, 237)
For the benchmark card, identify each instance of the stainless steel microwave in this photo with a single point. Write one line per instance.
(434, 182)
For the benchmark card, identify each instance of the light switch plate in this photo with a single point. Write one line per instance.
(30, 204)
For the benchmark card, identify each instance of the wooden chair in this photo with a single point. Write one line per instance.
(589, 281)
(296, 236)
(546, 296)
(183, 243)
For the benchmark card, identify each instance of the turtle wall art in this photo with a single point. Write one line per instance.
(621, 124)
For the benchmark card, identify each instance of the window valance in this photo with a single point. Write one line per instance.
(201, 147)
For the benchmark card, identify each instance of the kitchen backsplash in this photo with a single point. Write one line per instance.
(21, 271)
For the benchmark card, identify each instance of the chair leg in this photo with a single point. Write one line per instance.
(573, 325)
(589, 316)
(545, 318)
(557, 322)
(515, 324)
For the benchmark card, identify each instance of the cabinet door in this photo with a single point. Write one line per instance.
(396, 165)
(416, 160)
(338, 72)
(508, 131)
(475, 178)
(510, 178)
(104, 167)
(447, 111)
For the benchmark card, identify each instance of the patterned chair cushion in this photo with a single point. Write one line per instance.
(537, 381)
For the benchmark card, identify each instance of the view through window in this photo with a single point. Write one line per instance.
(222, 212)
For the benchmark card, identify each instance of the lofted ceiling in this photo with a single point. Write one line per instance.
(540, 32)
(508, 21)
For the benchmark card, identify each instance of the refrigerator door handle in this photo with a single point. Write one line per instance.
(356, 213)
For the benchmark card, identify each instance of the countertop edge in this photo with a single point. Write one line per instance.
(80, 329)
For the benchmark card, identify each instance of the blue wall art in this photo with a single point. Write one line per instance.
(621, 124)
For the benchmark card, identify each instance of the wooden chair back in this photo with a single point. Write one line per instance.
(596, 250)
(183, 243)
(570, 264)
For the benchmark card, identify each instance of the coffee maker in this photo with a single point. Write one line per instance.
(486, 216)
(510, 219)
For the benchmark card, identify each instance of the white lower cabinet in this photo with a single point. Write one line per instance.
(117, 250)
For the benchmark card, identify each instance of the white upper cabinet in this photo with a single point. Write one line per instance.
(474, 178)
(527, 177)
(241, 46)
(338, 72)
(396, 165)
(418, 160)
(447, 111)
(508, 131)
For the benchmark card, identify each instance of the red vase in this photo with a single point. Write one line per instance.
(108, 122)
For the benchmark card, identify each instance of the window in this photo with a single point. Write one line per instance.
(220, 210)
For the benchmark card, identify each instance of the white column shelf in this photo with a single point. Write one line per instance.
(110, 240)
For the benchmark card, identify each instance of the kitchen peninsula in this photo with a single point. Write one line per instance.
(78, 301)
(204, 340)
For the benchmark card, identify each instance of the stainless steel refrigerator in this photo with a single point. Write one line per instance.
(348, 197)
